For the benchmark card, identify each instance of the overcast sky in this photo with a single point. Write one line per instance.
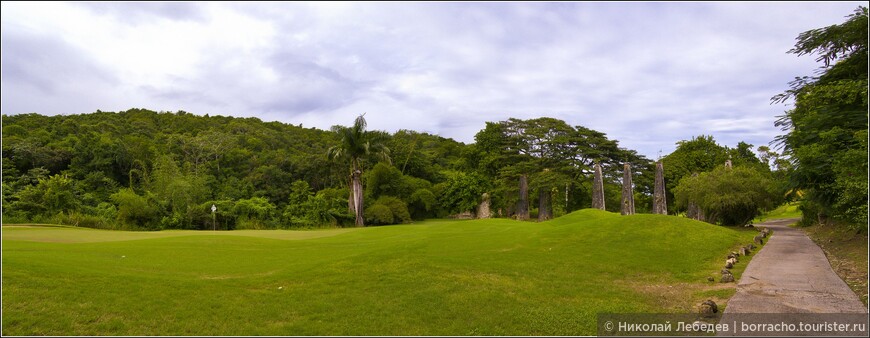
(646, 74)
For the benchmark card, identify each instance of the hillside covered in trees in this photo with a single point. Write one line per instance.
(141, 169)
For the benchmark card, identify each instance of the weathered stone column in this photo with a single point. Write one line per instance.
(523, 203)
(627, 191)
(483, 208)
(597, 188)
(660, 205)
(545, 210)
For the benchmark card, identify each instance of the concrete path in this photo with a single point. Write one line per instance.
(790, 275)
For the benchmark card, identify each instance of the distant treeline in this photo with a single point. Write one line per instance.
(141, 169)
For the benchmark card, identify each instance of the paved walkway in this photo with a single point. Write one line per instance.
(790, 275)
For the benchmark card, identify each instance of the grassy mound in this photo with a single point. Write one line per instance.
(440, 277)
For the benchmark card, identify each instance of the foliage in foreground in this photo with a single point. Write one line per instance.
(826, 132)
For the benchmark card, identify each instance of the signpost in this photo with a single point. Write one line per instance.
(213, 217)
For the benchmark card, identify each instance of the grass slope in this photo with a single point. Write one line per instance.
(789, 210)
(481, 277)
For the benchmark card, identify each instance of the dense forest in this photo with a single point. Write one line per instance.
(141, 169)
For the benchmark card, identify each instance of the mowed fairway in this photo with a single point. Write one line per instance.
(481, 277)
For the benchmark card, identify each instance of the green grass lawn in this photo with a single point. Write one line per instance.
(789, 210)
(439, 277)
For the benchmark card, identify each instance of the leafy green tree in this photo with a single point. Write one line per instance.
(728, 196)
(50, 196)
(700, 154)
(462, 192)
(398, 211)
(386, 180)
(136, 210)
(356, 145)
(254, 213)
(306, 209)
(826, 131)
(422, 204)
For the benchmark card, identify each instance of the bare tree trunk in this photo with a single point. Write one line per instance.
(350, 196)
(694, 211)
(597, 188)
(544, 210)
(627, 191)
(358, 198)
(660, 205)
(523, 204)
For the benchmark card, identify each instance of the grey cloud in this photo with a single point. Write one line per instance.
(647, 74)
(47, 63)
(144, 12)
(49, 71)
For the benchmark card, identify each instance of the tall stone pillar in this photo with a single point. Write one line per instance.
(523, 203)
(660, 205)
(627, 192)
(483, 209)
(597, 188)
(545, 210)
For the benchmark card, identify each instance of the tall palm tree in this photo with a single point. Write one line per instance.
(356, 146)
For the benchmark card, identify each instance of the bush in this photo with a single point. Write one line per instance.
(379, 214)
(728, 196)
(79, 219)
(422, 204)
(397, 207)
(255, 213)
(135, 210)
(224, 216)
(463, 192)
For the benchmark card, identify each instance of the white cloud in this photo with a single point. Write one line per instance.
(647, 74)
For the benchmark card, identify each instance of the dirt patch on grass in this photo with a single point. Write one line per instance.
(847, 253)
(684, 297)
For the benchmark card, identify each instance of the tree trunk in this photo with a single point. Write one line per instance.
(544, 210)
(597, 188)
(694, 211)
(358, 198)
(627, 191)
(660, 205)
(523, 204)
(350, 196)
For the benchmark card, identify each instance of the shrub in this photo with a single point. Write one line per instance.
(728, 196)
(136, 210)
(397, 207)
(379, 214)
(256, 212)
(422, 203)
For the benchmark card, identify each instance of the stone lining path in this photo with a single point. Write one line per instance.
(790, 275)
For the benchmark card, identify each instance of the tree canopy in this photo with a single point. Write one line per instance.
(826, 131)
